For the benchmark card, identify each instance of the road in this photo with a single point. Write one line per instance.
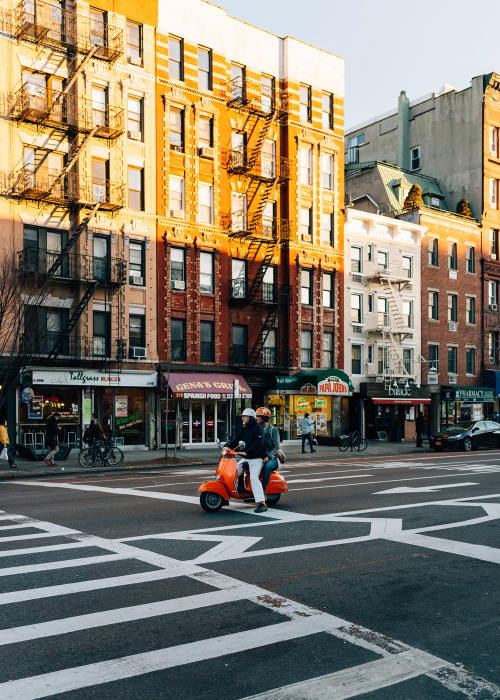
(374, 579)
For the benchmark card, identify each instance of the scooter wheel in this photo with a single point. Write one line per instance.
(211, 502)
(273, 499)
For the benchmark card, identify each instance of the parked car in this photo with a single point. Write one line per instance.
(467, 435)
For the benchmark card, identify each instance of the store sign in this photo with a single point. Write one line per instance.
(94, 378)
(433, 378)
(394, 391)
(207, 386)
(467, 393)
(307, 389)
(333, 386)
(26, 395)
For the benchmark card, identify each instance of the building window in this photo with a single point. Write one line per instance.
(328, 290)
(306, 224)
(433, 252)
(136, 188)
(98, 27)
(433, 306)
(493, 347)
(306, 287)
(370, 307)
(327, 171)
(175, 58)
(237, 82)
(269, 284)
(134, 43)
(269, 349)
(433, 358)
(206, 132)
(470, 361)
(356, 308)
(239, 278)
(178, 339)
(100, 180)
(100, 111)
(207, 273)
(238, 211)
(136, 263)
(267, 93)
(327, 110)
(415, 158)
(383, 259)
(369, 248)
(494, 244)
(452, 360)
(353, 148)
(493, 295)
(452, 256)
(470, 309)
(493, 193)
(137, 331)
(407, 264)
(240, 345)
(370, 360)
(383, 363)
(382, 312)
(204, 69)
(177, 129)
(306, 166)
(356, 257)
(408, 313)
(494, 141)
(408, 360)
(470, 259)
(135, 118)
(101, 333)
(207, 346)
(305, 103)
(177, 196)
(178, 268)
(206, 203)
(100, 258)
(355, 359)
(327, 350)
(306, 348)
(327, 237)
(452, 307)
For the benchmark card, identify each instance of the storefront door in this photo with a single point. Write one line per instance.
(196, 422)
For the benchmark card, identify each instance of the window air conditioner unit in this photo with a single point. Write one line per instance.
(139, 281)
(135, 60)
(452, 327)
(452, 378)
(452, 274)
(493, 307)
(177, 213)
(178, 284)
(493, 256)
(137, 353)
(207, 152)
(135, 135)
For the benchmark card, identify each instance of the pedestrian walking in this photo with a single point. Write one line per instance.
(420, 428)
(4, 443)
(306, 429)
(51, 439)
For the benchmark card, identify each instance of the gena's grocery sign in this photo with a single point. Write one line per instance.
(333, 386)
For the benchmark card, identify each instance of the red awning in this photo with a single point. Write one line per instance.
(206, 386)
(406, 402)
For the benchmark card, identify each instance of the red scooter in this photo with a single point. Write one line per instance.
(215, 494)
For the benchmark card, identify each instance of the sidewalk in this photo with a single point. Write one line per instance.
(140, 459)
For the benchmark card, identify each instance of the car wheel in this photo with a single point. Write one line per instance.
(467, 444)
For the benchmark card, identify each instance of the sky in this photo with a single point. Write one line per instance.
(387, 45)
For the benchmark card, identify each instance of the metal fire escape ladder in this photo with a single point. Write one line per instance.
(77, 149)
(388, 333)
(74, 234)
(58, 98)
(264, 131)
(267, 326)
(75, 317)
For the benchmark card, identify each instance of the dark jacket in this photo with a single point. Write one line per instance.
(51, 429)
(95, 430)
(420, 423)
(252, 434)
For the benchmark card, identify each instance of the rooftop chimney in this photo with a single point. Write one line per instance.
(403, 131)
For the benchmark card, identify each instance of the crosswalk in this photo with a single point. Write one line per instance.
(88, 614)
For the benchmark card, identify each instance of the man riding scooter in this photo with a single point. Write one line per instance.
(252, 434)
(272, 440)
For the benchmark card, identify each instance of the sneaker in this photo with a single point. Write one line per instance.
(303, 452)
(261, 508)
(13, 466)
(54, 464)
(313, 451)
(47, 462)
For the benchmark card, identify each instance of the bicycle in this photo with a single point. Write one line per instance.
(103, 452)
(352, 440)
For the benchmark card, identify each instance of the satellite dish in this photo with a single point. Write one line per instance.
(347, 200)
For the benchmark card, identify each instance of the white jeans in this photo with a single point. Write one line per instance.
(255, 466)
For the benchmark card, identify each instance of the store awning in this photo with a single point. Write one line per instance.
(406, 402)
(185, 385)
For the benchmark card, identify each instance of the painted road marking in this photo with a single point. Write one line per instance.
(410, 489)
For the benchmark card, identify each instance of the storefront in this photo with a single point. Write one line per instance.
(124, 403)
(464, 403)
(202, 408)
(323, 394)
(390, 411)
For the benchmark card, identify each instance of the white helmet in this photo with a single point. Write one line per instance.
(249, 412)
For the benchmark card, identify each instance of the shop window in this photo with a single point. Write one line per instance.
(240, 344)
(328, 290)
(134, 43)
(204, 69)
(306, 287)
(206, 132)
(433, 252)
(470, 361)
(175, 58)
(269, 349)
(470, 309)
(178, 339)
(452, 360)
(137, 331)
(327, 110)
(177, 129)
(452, 307)
(306, 348)
(130, 413)
(239, 278)
(452, 256)
(178, 268)
(305, 103)
(101, 339)
(207, 346)
(327, 349)
(136, 188)
(433, 358)
(470, 259)
(136, 263)
(207, 273)
(356, 359)
(433, 306)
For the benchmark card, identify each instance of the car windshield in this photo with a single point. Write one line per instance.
(459, 427)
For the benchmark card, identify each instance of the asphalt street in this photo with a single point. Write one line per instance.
(373, 578)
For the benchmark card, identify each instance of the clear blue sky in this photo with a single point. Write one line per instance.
(387, 45)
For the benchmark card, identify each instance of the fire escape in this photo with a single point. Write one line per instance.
(79, 119)
(255, 223)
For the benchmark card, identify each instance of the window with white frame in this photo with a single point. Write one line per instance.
(306, 287)
(238, 211)
(494, 244)
(470, 310)
(306, 223)
(493, 193)
(356, 356)
(206, 203)
(205, 132)
(207, 273)
(327, 229)
(356, 259)
(452, 307)
(383, 259)
(353, 148)
(306, 166)
(204, 69)
(175, 58)
(452, 256)
(178, 268)
(177, 129)
(433, 252)
(407, 264)
(370, 355)
(327, 110)
(408, 360)
(433, 358)
(408, 313)
(470, 360)
(327, 290)
(327, 349)
(470, 259)
(415, 158)
(305, 103)
(493, 294)
(306, 348)
(383, 360)
(327, 171)
(177, 194)
(452, 359)
(494, 141)
(369, 249)
(135, 117)
(356, 308)
(433, 306)
(269, 349)
(382, 312)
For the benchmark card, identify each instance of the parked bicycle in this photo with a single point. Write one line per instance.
(352, 440)
(103, 452)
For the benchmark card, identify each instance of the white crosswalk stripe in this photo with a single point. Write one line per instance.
(396, 662)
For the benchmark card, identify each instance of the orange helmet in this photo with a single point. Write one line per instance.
(263, 412)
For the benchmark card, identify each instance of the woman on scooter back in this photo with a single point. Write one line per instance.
(253, 436)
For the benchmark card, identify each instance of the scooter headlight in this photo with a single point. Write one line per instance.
(225, 451)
